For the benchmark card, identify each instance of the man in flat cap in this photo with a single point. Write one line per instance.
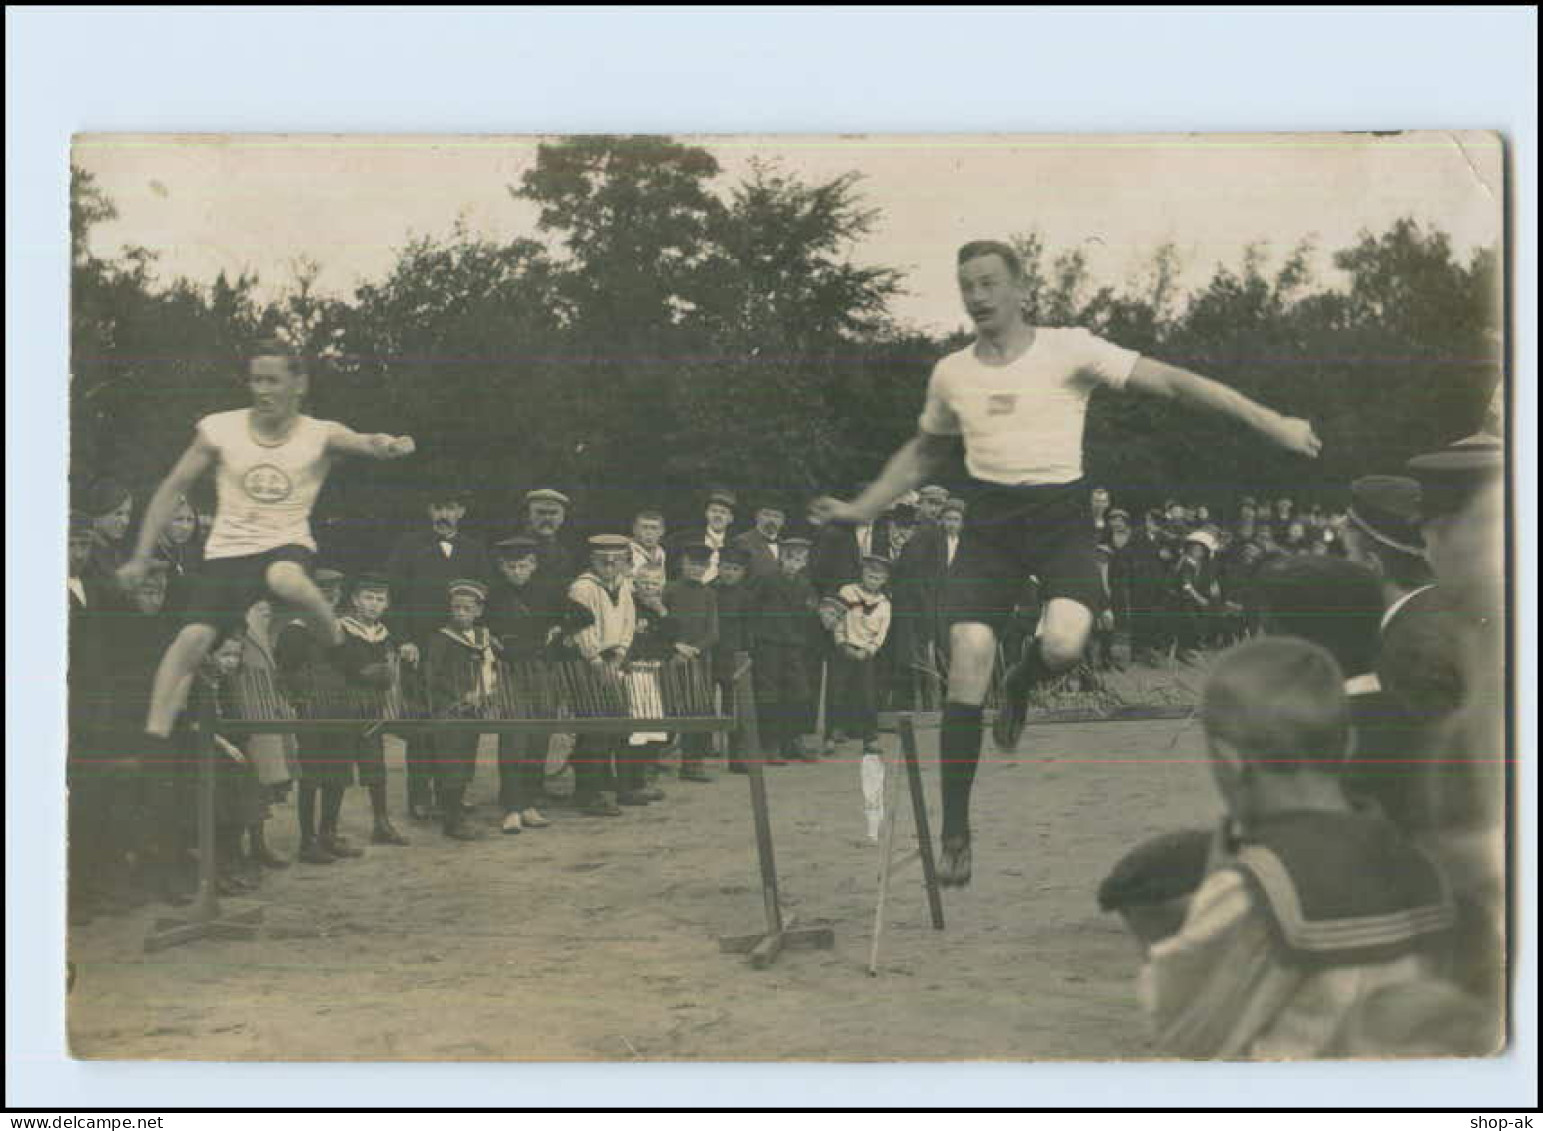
(546, 514)
(422, 564)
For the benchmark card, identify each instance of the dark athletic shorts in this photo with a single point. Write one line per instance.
(225, 588)
(1014, 533)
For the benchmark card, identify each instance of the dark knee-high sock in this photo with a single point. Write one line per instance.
(305, 806)
(378, 801)
(959, 752)
(331, 808)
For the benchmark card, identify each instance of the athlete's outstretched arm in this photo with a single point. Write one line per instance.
(919, 459)
(345, 441)
(1172, 383)
(163, 504)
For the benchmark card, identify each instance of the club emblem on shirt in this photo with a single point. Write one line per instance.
(267, 484)
(1001, 404)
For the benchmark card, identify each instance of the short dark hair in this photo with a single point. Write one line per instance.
(278, 347)
(1280, 703)
(650, 514)
(1334, 603)
(979, 249)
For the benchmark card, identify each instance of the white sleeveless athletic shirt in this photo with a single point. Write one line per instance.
(265, 494)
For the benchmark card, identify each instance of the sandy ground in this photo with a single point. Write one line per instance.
(595, 939)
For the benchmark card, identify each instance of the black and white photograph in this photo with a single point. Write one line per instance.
(644, 597)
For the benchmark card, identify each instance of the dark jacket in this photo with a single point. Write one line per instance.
(518, 616)
(420, 578)
(694, 607)
(733, 602)
(781, 609)
(835, 560)
(763, 563)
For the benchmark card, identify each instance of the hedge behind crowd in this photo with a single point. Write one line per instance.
(661, 331)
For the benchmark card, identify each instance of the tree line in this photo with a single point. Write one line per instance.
(660, 332)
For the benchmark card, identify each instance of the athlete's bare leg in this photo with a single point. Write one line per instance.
(972, 652)
(174, 677)
(289, 582)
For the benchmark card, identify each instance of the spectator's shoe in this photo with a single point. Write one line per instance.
(460, 830)
(693, 771)
(1013, 711)
(954, 862)
(385, 833)
(651, 793)
(804, 751)
(314, 852)
(512, 825)
(738, 767)
(531, 818)
(633, 798)
(420, 812)
(340, 846)
(871, 746)
(600, 805)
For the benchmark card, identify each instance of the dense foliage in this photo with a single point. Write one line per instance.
(661, 331)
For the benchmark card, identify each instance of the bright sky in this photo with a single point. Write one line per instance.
(258, 203)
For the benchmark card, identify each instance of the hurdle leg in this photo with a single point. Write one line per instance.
(780, 934)
(886, 865)
(913, 774)
(206, 919)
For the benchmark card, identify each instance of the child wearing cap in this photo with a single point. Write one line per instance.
(654, 642)
(731, 595)
(694, 607)
(1313, 913)
(460, 672)
(603, 777)
(315, 686)
(368, 659)
(524, 625)
(780, 613)
(859, 635)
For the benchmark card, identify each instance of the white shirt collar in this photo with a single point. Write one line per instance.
(1399, 604)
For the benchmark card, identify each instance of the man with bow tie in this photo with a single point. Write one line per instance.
(423, 564)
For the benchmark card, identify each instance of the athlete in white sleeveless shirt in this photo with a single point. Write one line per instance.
(269, 464)
(1013, 404)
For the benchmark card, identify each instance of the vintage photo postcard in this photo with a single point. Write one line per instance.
(844, 598)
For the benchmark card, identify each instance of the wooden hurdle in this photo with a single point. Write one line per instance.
(888, 864)
(529, 698)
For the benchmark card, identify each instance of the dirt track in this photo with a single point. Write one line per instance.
(596, 939)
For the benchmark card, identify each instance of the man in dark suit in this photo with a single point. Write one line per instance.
(760, 542)
(420, 568)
